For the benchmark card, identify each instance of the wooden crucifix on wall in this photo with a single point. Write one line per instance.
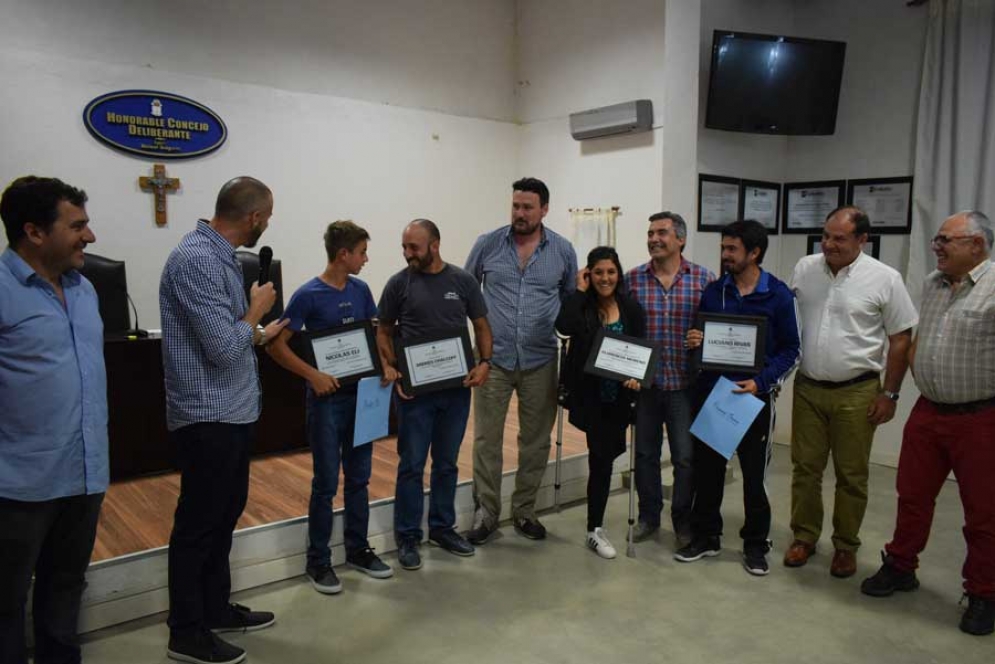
(159, 185)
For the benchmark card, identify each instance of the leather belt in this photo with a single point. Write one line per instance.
(828, 384)
(965, 407)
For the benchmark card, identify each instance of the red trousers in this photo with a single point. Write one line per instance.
(934, 443)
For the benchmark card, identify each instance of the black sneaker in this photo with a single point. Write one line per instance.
(643, 531)
(203, 647)
(452, 542)
(755, 559)
(324, 580)
(888, 579)
(242, 619)
(979, 619)
(704, 547)
(366, 561)
(407, 553)
(483, 529)
(529, 527)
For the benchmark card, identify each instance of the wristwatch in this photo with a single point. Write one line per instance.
(891, 395)
(484, 360)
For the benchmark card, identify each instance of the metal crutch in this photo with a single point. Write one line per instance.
(561, 397)
(630, 548)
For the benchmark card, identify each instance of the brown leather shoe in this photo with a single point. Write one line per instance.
(798, 553)
(844, 564)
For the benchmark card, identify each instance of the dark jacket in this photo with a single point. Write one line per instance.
(773, 300)
(579, 320)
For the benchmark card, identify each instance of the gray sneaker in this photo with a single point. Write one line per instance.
(324, 580)
(643, 531)
(366, 561)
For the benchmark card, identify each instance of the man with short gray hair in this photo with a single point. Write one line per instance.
(952, 426)
(669, 288)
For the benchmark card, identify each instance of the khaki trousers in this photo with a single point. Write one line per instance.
(828, 420)
(536, 390)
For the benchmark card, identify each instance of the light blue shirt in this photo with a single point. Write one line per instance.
(207, 354)
(53, 386)
(522, 304)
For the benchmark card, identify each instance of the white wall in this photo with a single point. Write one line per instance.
(325, 157)
(446, 55)
(582, 54)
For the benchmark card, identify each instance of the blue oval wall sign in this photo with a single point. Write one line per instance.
(154, 124)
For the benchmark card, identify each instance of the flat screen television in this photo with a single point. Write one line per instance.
(769, 84)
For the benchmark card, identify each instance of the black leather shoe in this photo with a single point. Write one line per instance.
(452, 542)
(529, 527)
(888, 579)
(979, 619)
(481, 533)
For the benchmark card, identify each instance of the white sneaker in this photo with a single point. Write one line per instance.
(597, 541)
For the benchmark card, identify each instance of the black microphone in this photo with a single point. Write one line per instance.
(265, 259)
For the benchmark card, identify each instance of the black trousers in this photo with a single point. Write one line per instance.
(754, 454)
(214, 485)
(52, 539)
(605, 441)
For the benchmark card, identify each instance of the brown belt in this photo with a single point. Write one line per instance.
(828, 384)
(963, 408)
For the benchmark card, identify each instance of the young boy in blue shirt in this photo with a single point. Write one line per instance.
(335, 297)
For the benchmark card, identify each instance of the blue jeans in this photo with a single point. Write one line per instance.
(330, 422)
(435, 421)
(655, 408)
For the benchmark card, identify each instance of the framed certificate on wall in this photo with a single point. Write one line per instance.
(806, 204)
(718, 202)
(887, 202)
(760, 201)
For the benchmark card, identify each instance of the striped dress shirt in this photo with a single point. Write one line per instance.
(207, 354)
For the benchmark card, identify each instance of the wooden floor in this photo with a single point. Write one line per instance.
(138, 514)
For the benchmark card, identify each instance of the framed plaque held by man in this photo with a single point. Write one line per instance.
(435, 362)
(348, 352)
(730, 343)
(621, 357)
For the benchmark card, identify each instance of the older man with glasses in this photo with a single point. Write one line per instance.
(952, 426)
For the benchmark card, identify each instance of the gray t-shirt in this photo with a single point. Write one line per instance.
(426, 304)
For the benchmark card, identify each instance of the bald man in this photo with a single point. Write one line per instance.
(952, 426)
(212, 405)
(428, 299)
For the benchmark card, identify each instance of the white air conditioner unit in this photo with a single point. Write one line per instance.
(627, 118)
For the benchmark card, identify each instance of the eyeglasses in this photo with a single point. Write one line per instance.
(944, 240)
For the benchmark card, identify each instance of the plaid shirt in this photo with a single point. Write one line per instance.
(955, 350)
(207, 354)
(669, 315)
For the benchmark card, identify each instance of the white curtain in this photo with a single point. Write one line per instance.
(955, 137)
(592, 227)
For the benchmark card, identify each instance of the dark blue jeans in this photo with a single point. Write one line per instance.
(436, 422)
(655, 409)
(330, 425)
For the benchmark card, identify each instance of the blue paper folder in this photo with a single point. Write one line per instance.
(372, 411)
(726, 417)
